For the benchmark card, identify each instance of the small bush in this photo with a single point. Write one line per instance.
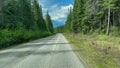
(115, 31)
(103, 37)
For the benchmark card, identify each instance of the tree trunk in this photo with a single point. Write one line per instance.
(108, 24)
(119, 18)
(113, 18)
(105, 25)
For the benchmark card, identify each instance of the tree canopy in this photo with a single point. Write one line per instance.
(22, 20)
(101, 16)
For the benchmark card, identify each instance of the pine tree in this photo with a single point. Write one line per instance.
(1, 14)
(18, 14)
(109, 4)
(68, 25)
(49, 23)
(26, 14)
(94, 16)
(77, 15)
(38, 16)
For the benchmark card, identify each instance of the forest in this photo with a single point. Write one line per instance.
(93, 28)
(94, 16)
(22, 21)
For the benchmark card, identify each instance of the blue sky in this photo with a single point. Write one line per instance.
(58, 10)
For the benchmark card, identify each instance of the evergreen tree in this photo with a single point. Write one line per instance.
(68, 25)
(38, 16)
(49, 23)
(18, 14)
(94, 15)
(109, 4)
(1, 14)
(9, 13)
(77, 15)
(26, 13)
(21, 20)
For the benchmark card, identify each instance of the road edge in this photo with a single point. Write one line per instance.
(78, 55)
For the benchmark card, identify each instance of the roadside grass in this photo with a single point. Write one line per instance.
(98, 51)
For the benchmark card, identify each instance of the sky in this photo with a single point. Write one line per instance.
(58, 10)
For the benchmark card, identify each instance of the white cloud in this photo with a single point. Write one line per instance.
(59, 13)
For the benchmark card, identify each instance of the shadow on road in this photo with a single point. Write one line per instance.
(34, 45)
(19, 53)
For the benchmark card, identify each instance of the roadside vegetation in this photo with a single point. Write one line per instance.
(21, 21)
(96, 50)
(93, 29)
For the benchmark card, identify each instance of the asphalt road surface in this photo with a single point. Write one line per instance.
(50, 52)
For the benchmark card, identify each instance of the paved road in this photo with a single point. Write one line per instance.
(50, 52)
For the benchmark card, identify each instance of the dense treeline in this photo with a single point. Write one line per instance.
(21, 21)
(49, 23)
(60, 29)
(100, 16)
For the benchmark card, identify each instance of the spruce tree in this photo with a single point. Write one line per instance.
(38, 16)
(77, 15)
(1, 14)
(10, 14)
(49, 23)
(26, 14)
(109, 4)
(68, 25)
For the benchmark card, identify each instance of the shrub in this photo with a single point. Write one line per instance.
(115, 31)
(10, 37)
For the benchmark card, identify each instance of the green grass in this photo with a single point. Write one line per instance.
(94, 57)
